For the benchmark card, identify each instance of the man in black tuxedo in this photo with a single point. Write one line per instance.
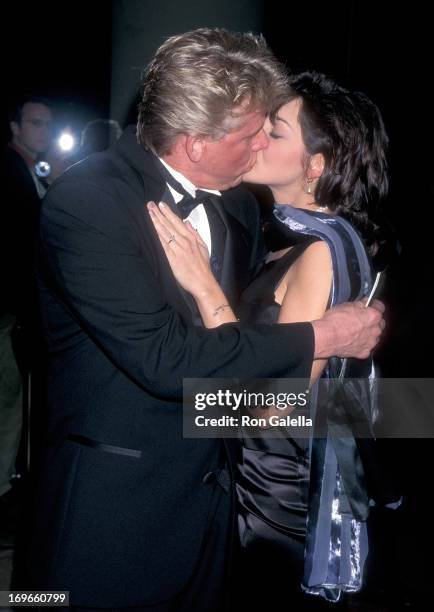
(128, 512)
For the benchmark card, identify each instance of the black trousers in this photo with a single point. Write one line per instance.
(208, 587)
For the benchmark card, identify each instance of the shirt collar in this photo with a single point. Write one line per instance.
(185, 182)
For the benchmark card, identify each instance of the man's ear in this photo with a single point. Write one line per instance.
(194, 147)
(316, 166)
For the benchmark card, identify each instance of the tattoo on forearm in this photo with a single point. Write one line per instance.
(220, 309)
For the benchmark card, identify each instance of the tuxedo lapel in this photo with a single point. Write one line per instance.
(236, 257)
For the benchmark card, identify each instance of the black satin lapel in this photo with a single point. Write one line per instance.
(155, 192)
(236, 257)
(167, 198)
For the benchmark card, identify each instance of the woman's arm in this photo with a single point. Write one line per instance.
(305, 291)
(303, 294)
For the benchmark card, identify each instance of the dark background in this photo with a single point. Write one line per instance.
(63, 51)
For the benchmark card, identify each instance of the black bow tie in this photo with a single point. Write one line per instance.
(189, 203)
(218, 231)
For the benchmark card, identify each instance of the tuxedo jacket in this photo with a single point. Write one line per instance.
(123, 509)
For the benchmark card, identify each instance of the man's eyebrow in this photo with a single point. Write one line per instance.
(255, 132)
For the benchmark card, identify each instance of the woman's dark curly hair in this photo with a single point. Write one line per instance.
(347, 128)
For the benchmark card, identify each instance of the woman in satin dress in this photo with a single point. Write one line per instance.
(326, 167)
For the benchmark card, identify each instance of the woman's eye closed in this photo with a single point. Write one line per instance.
(274, 135)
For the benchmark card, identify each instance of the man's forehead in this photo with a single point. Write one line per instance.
(251, 121)
(35, 109)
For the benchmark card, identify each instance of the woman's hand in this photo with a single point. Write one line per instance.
(186, 252)
(188, 257)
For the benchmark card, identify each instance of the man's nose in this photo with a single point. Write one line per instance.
(261, 141)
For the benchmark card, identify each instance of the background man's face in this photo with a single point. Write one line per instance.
(228, 159)
(33, 133)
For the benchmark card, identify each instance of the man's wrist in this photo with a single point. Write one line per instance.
(323, 345)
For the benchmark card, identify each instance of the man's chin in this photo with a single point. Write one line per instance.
(249, 177)
(233, 183)
(238, 180)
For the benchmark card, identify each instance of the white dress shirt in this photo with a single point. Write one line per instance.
(198, 217)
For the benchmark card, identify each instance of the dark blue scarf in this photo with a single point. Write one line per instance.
(336, 540)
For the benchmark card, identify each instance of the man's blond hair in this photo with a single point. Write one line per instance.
(203, 82)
